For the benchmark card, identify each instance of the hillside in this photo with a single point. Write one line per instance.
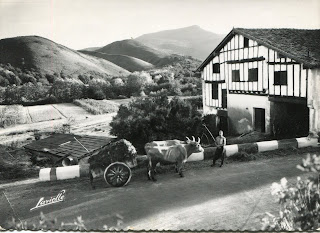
(47, 57)
(127, 62)
(134, 49)
(91, 49)
(191, 41)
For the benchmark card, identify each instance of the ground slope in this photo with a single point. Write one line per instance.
(48, 57)
(191, 41)
(127, 62)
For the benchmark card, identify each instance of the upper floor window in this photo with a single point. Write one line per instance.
(216, 68)
(214, 90)
(280, 78)
(246, 42)
(236, 76)
(253, 75)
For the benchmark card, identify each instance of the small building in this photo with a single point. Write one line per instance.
(65, 149)
(266, 80)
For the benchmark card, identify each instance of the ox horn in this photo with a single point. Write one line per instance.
(193, 139)
(188, 140)
(198, 140)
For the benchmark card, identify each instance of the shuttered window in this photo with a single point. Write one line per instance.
(253, 75)
(214, 90)
(280, 78)
(236, 76)
(216, 68)
(246, 43)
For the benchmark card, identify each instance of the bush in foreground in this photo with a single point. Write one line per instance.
(148, 119)
(299, 203)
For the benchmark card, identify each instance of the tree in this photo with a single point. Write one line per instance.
(155, 118)
(137, 82)
(12, 95)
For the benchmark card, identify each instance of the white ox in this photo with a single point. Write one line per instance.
(170, 151)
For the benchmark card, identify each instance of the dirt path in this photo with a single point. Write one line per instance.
(233, 197)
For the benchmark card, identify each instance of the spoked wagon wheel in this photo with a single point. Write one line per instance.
(117, 174)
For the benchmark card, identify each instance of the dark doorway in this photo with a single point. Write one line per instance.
(224, 98)
(289, 120)
(259, 120)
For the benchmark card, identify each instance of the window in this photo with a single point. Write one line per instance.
(246, 43)
(253, 75)
(235, 76)
(280, 78)
(214, 91)
(216, 68)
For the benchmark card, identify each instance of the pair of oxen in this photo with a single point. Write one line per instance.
(171, 151)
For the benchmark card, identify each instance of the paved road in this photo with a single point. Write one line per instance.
(233, 197)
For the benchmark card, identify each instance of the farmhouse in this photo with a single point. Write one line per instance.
(266, 80)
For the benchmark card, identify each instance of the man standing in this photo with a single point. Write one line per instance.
(220, 142)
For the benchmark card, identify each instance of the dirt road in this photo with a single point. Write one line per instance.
(233, 197)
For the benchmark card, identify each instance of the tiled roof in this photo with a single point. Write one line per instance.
(66, 144)
(301, 45)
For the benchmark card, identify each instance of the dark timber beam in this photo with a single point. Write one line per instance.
(246, 60)
(286, 99)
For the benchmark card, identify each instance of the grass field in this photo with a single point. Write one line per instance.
(71, 110)
(97, 107)
(43, 113)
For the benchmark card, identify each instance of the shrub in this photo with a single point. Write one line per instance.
(137, 82)
(299, 203)
(155, 118)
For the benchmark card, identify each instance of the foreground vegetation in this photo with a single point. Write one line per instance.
(299, 203)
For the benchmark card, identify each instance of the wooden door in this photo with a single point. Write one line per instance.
(259, 119)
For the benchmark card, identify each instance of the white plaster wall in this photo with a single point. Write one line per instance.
(209, 110)
(314, 99)
(241, 106)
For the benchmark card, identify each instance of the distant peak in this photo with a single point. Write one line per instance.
(194, 26)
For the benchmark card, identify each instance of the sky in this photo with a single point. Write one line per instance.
(80, 24)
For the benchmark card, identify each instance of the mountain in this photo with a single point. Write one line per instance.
(127, 62)
(91, 49)
(48, 57)
(191, 41)
(135, 49)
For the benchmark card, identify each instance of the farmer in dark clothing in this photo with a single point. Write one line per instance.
(220, 142)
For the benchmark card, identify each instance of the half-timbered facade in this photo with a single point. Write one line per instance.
(264, 79)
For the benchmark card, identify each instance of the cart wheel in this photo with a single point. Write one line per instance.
(117, 174)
